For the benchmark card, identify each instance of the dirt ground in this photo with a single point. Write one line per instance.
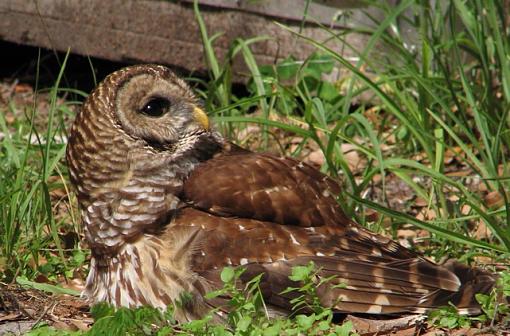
(22, 308)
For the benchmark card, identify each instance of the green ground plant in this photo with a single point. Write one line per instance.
(246, 314)
(494, 306)
(31, 167)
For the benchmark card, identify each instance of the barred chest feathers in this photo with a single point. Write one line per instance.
(146, 272)
(130, 265)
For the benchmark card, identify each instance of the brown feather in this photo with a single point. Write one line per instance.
(270, 184)
(376, 283)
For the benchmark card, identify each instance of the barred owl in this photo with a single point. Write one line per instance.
(167, 203)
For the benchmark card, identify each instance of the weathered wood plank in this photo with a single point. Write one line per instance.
(148, 31)
(322, 11)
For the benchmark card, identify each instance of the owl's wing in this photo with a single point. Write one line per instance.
(268, 214)
(281, 190)
(366, 277)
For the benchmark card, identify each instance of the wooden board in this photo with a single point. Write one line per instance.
(163, 31)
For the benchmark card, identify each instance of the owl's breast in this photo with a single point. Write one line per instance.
(139, 275)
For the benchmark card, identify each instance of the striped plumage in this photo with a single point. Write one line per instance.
(167, 203)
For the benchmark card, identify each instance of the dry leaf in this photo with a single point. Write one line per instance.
(23, 88)
(459, 173)
(420, 202)
(482, 232)
(398, 326)
(493, 200)
(9, 118)
(377, 178)
(472, 332)
(426, 214)
(82, 325)
(351, 156)
(316, 158)
(11, 317)
(435, 332)
(406, 234)
(482, 187)
(61, 325)
(74, 284)
(371, 215)
(465, 209)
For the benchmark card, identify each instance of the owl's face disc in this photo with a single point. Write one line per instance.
(157, 108)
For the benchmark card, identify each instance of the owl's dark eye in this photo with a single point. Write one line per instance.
(156, 107)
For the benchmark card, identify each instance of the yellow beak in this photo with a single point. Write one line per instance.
(201, 117)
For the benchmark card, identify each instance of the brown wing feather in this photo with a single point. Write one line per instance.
(264, 187)
(377, 282)
(237, 198)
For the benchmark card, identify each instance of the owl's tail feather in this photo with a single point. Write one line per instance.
(421, 297)
(473, 280)
(394, 287)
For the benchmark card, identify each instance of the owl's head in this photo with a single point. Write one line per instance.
(149, 103)
(138, 122)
